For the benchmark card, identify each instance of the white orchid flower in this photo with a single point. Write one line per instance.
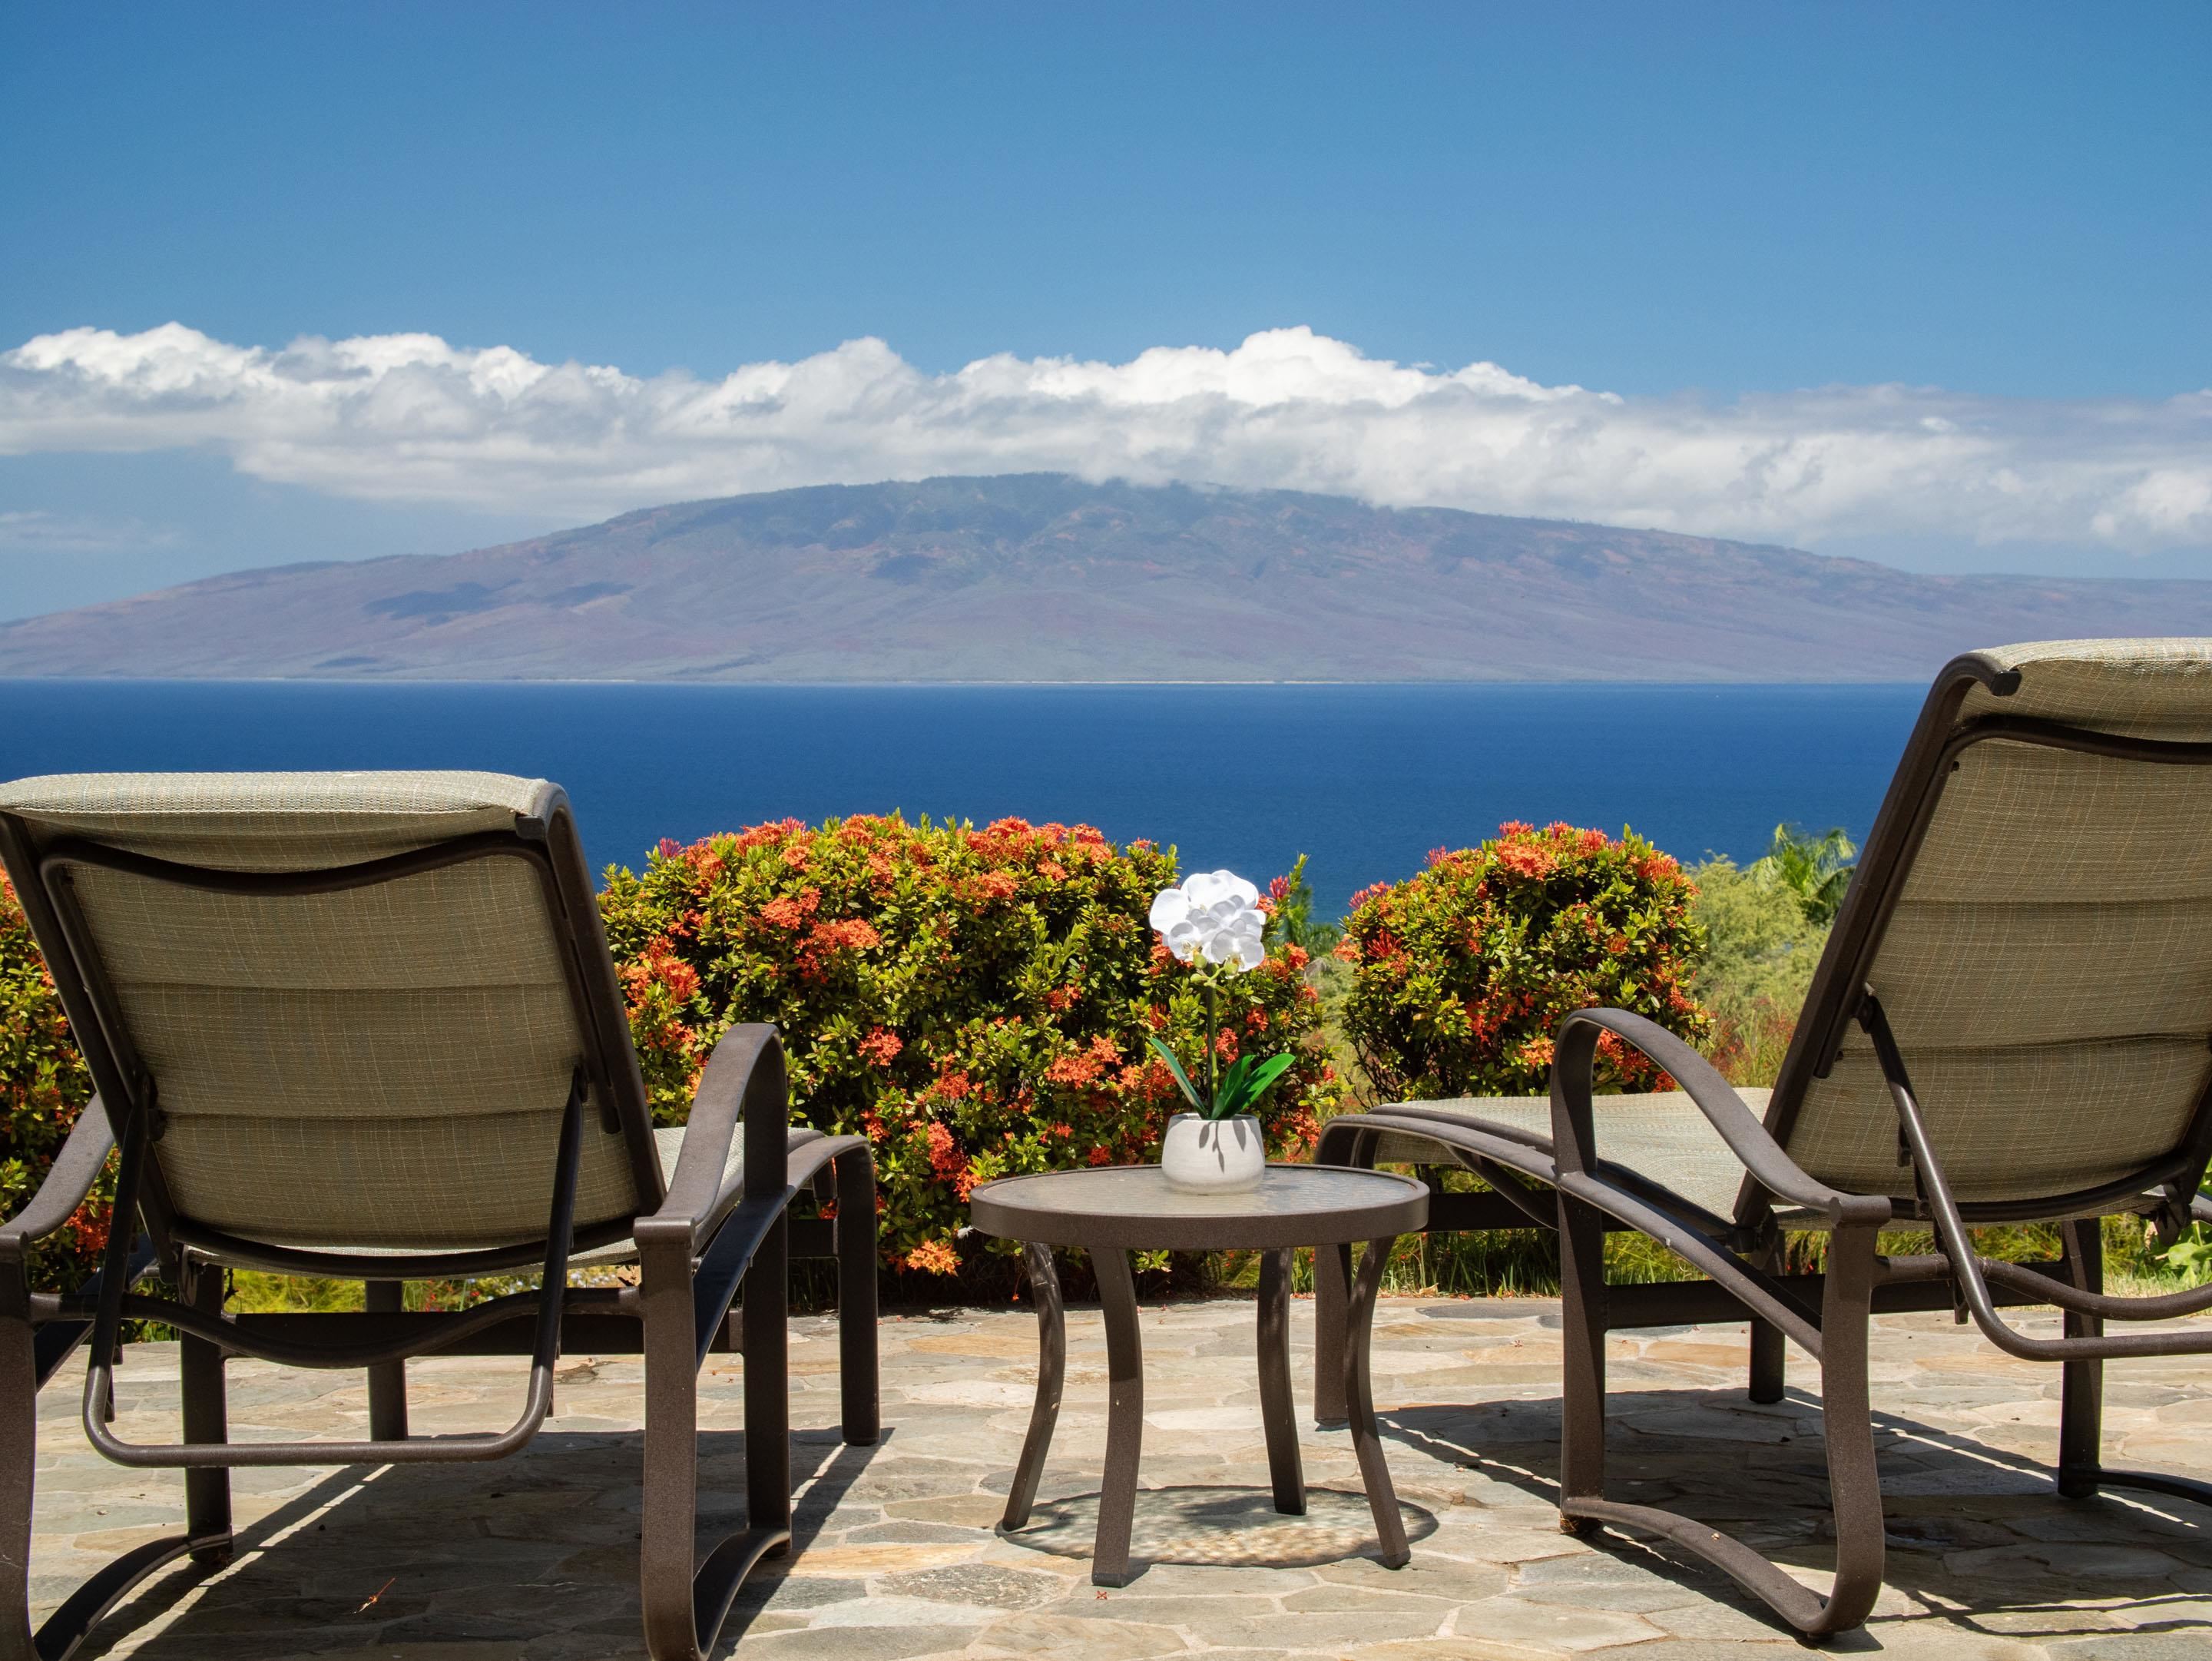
(1214, 917)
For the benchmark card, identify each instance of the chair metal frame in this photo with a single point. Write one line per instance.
(698, 1239)
(1826, 1314)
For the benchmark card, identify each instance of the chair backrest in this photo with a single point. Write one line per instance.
(2033, 912)
(377, 1058)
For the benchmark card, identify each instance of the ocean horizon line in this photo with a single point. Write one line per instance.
(882, 685)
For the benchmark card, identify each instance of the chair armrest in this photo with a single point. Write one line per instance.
(68, 1180)
(1574, 1065)
(743, 1082)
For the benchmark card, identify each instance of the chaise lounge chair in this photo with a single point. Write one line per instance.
(2009, 1024)
(366, 1025)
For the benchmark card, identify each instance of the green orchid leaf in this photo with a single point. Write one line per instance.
(1234, 1089)
(1258, 1081)
(1268, 1070)
(1176, 1067)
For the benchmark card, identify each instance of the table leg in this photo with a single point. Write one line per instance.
(1277, 1412)
(1125, 1419)
(1052, 1368)
(1359, 1400)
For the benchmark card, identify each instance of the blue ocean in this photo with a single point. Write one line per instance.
(1365, 780)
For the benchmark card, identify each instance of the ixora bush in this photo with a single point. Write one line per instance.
(977, 1002)
(1461, 973)
(43, 1087)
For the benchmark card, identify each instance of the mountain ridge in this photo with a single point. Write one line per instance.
(1025, 578)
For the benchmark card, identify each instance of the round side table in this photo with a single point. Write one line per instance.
(1110, 1211)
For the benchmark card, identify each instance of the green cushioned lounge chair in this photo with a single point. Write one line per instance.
(2009, 1024)
(366, 1025)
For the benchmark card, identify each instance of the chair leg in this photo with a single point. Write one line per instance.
(1854, 1485)
(58, 1636)
(1847, 1423)
(200, 1366)
(2081, 1467)
(684, 1608)
(1767, 1358)
(858, 1380)
(19, 1460)
(1581, 1394)
(764, 1319)
(2081, 1387)
(387, 1381)
(665, 1547)
(1766, 1361)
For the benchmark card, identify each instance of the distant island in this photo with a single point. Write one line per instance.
(1044, 577)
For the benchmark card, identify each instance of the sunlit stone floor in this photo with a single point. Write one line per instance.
(898, 1557)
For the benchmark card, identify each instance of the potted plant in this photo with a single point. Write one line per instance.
(1213, 922)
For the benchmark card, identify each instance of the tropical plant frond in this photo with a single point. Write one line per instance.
(1815, 868)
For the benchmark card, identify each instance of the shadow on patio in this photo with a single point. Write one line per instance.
(900, 1554)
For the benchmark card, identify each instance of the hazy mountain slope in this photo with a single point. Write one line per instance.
(1043, 577)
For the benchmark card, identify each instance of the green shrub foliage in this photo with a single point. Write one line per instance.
(1462, 972)
(976, 1002)
(43, 1087)
(1762, 948)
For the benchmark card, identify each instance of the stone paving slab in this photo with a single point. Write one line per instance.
(534, 1559)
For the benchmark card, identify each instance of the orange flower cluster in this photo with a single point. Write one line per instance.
(933, 1257)
(1461, 973)
(976, 1002)
(1080, 1068)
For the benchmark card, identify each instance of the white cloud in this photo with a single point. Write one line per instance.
(410, 418)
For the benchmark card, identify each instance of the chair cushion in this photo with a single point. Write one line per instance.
(385, 1066)
(668, 1142)
(2047, 967)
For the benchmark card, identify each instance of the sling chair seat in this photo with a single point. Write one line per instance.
(367, 1025)
(668, 1149)
(2011, 1023)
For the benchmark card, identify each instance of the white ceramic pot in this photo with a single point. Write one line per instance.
(1225, 1156)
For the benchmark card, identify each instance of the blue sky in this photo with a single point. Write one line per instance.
(1708, 209)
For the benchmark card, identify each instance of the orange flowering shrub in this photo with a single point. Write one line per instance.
(976, 1002)
(1461, 973)
(43, 1087)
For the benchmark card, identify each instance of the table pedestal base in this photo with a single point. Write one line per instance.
(1125, 1410)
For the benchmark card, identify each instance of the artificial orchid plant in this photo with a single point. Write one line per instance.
(1213, 922)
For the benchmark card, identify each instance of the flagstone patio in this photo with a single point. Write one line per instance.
(897, 1557)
